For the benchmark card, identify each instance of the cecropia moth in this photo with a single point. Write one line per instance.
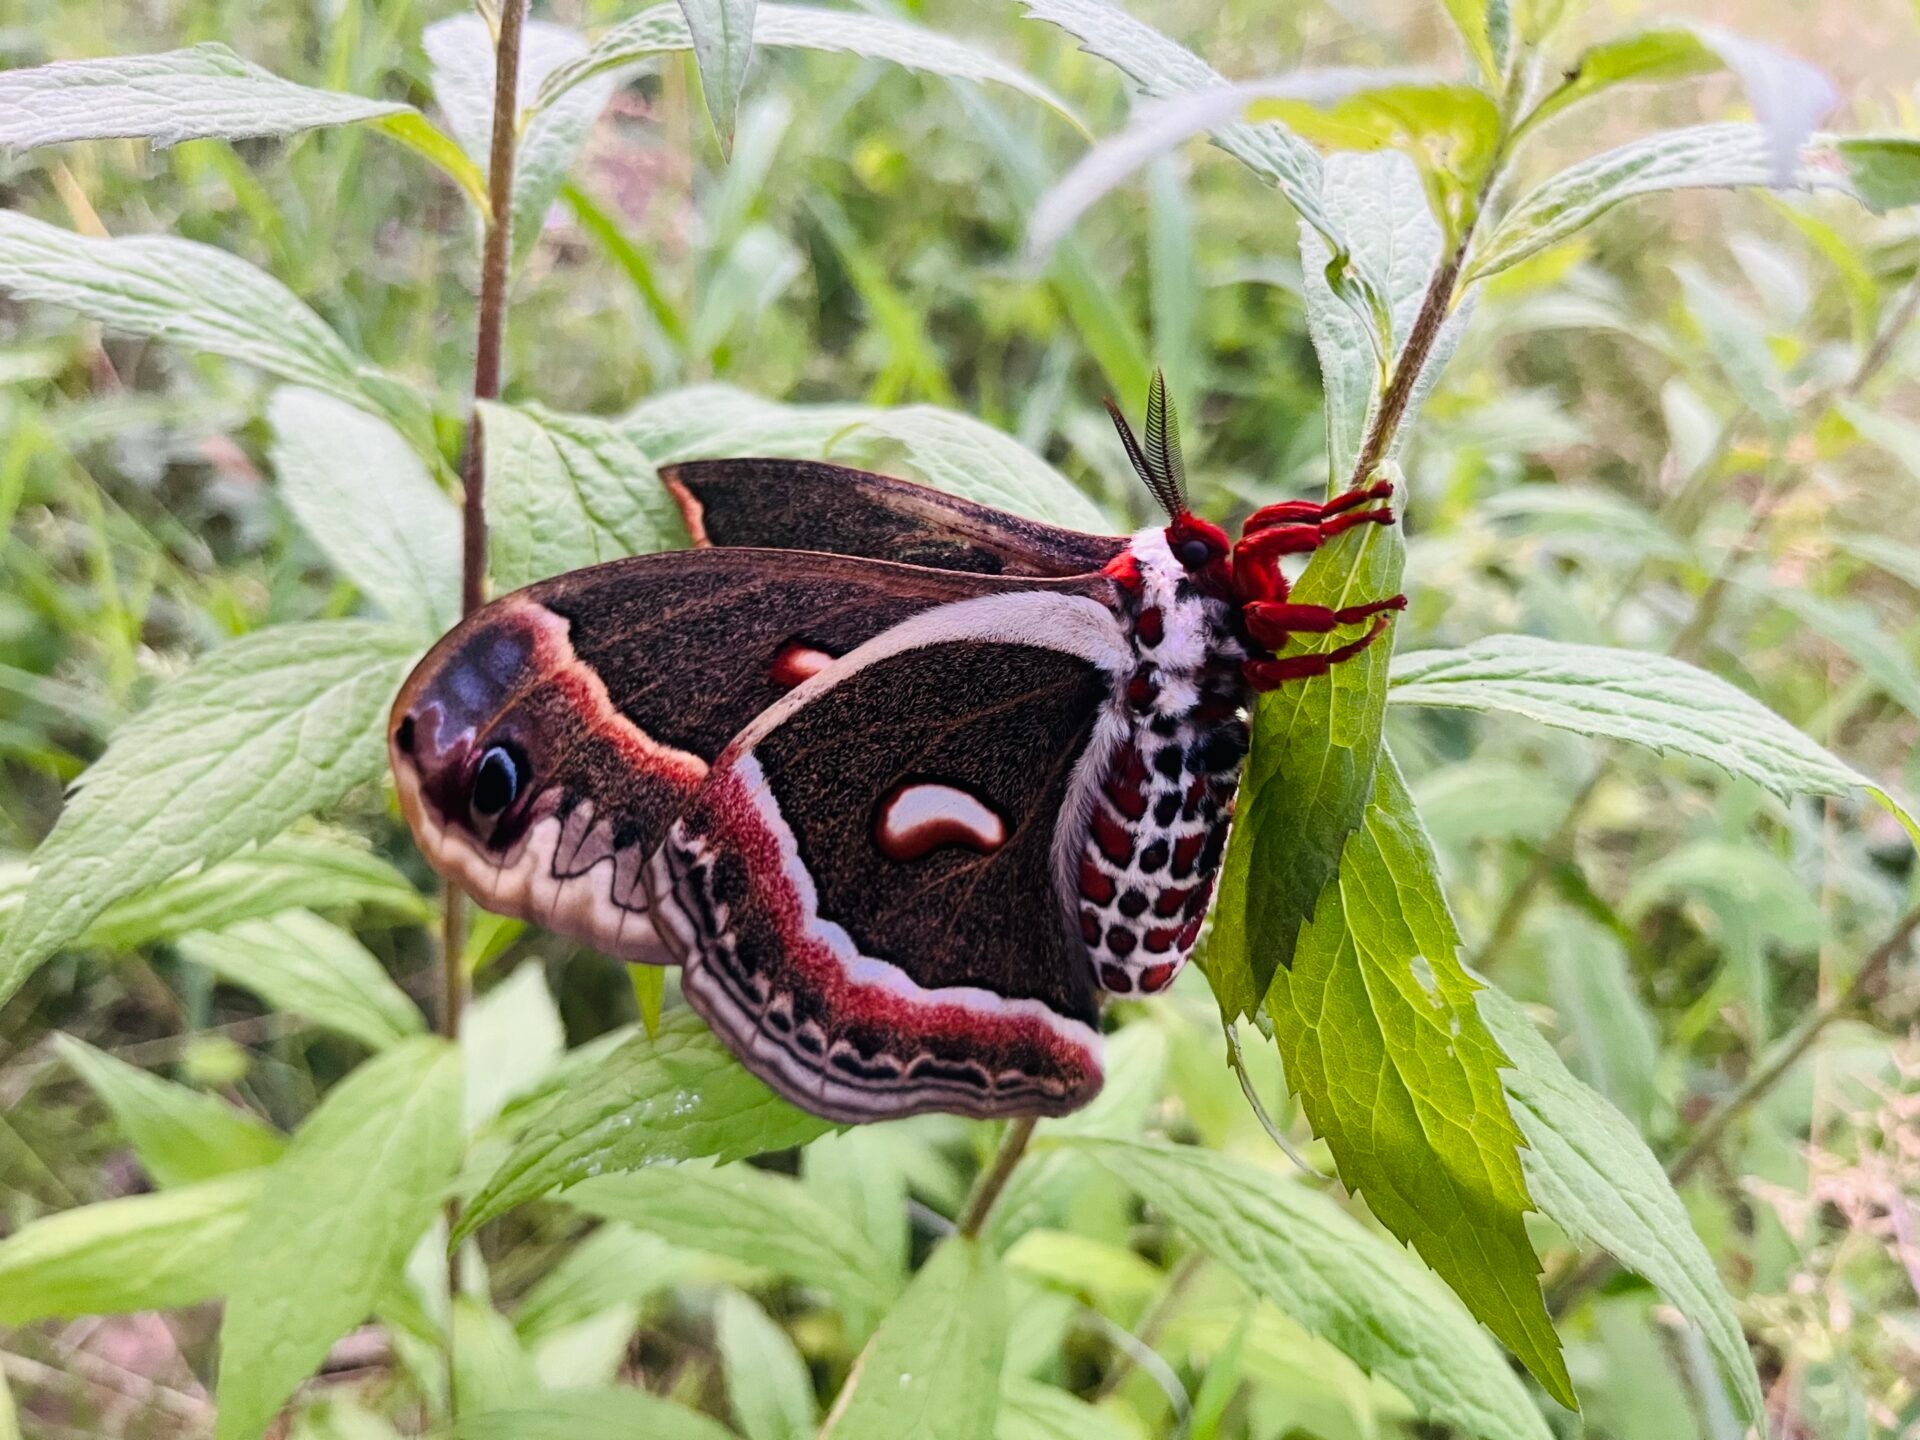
(904, 783)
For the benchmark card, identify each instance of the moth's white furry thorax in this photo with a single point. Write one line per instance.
(1193, 622)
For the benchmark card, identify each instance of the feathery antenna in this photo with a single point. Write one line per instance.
(1159, 463)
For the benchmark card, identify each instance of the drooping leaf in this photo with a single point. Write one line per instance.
(768, 1387)
(942, 448)
(1162, 125)
(1701, 157)
(932, 1369)
(181, 1136)
(146, 1252)
(1161, 69)
(461, 49)
(1375, 1020)
(678, 1096)
(360, 491)
(201, 298)
(335, 1223)
(1649, 700)
(1591, 1173)
(1339, 1280)
(568, 490)
(266, 729)
(663, 29)
(610, 1414)
(303, 965)
(722, 35)
(764, 1219)
(192, 94)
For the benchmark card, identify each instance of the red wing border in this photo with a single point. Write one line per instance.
(859, 970)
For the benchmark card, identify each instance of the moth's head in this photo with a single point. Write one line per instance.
(460, 737)
(1202, 549)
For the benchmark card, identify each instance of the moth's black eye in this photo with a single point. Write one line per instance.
(1193, 553)
(495, 783)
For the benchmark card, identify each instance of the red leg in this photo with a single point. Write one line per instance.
(1256, 571)
(1271, 674)
(1290, 511)
(1270, 623)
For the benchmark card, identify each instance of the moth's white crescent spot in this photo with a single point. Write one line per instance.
(917, 818)
(797, 663)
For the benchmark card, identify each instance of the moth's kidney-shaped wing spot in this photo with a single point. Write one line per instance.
(864, 984)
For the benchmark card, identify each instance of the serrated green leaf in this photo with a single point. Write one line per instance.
(1375, 1020)
(722, 36)
(308, 866)
(663, 29)
(146, 1252)
(941, 448)
(591, 1415)
(565, 491)
(180, 1135)
(197, 93)
(755, 1216)
(335, 1223)
(679, 1096)
(201, 298)
(1591, 1173)
(1340, 1281)
(304, 965)
(768, 1388)
(461, 49)
(1307, 782)
(932, 1369)
(1702, 157)
(361, 493)
(266, 729)
(1650, 700)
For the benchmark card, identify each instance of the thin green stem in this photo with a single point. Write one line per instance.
(986, 1190)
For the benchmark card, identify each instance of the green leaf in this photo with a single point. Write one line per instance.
(1030, 1410)
(146, 1252)
(417, 133)
(1643, 57)
(201, 298)
(1884, 170)
(722, 35)
(206, 91)
(1616, 1042)
(181, 1135)
(1703, 157)
(303, 965)
(511, 1037)
(360, 491)
(1307, 781)
(1376, 1023)
(1470, 18)
(1339, 1280)
(1162, 69)
(932, 1369)
(591, 1415)
(1171, 122)
(307, 866)
(565, 491)
(461, 49)
(1649, 700)
(679, 1096)
(268, 728)
(768, 1387)
(1861, 637)
(941, 448)
(613, 1266)
(335, 1223)
(663, 29)
(756, 1216)
(1591, 1173)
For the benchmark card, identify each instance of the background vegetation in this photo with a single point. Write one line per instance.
(1683, 432)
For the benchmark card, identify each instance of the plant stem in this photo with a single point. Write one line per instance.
(986, 1190)
(1434, 306)
(495, 260)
